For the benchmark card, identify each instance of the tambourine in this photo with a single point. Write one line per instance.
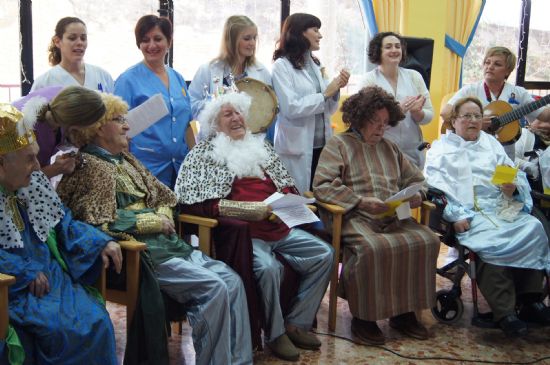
(264, 106)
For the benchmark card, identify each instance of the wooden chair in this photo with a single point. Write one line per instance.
(129, 296)
(336, 212)
(205, 226)
(5, 281)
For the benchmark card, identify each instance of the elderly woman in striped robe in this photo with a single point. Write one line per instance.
(388, 264)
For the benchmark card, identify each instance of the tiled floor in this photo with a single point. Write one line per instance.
(449, 344)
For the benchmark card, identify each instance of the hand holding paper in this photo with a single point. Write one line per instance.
(399, 204)
(291, 209)
(504, 175)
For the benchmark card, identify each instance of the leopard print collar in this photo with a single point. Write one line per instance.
(201, 177)
(43, 206)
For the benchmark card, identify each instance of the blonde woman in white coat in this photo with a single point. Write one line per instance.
(306, 98)
(237, 57)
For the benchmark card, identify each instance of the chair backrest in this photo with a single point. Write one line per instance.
(192, 134)
(5, 281)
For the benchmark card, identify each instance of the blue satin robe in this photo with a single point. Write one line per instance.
(67, 325)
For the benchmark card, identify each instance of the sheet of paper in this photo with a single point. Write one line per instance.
(145, 115)
(54, 180)
(504, 175)
(403, 211)
(405, 194)
(278, 200)
(294, 216)
(291, 209)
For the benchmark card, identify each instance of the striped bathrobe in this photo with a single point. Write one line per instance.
(384, 274)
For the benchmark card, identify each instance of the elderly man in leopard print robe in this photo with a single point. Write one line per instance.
(230, 174)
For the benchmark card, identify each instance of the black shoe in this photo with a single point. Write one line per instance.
(535, 312)
(513, 326)
(367, 331)
(407, 324)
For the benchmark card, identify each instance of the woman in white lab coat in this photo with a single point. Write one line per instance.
(306, 98)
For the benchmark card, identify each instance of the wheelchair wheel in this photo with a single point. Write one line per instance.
(539, 214)
(448, 307)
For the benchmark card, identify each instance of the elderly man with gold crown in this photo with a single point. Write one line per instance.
(56, 316)
(230, 174)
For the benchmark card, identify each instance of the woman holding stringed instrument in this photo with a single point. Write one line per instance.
(497, 96)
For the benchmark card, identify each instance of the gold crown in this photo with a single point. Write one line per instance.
(14, 135)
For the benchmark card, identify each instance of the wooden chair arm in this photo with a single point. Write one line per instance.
(205, 230)
(5, 281)
(426, 204)
(331, 208)
(132, 245)
(129, 296)
(425, 209)
(198, 220)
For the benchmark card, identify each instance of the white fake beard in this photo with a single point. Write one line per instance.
(243, 157)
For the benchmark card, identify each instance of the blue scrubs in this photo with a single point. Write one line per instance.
(161, 147)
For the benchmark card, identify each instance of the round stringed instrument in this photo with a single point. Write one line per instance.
(505, 120)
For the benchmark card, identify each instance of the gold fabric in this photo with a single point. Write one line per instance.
(14, 212)
(167, 211)
(250, 211)
(125, 183)
(148, 223)
(13, 133)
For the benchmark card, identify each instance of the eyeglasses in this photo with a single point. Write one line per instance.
(120, 120)
(471, 116)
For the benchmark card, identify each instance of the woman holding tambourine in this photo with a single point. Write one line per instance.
(236, 61)
(306, 98)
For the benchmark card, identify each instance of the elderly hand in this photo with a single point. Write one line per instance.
(112, 250)
(373, 205)
(508, 189)
(415, 201)
(40, 286)
(461, 226)
(168, 226)
(65, 164)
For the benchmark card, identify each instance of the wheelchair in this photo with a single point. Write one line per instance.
(449, 306)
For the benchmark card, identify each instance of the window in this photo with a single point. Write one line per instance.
(198, 28)
(10, 88)
(538, 57)
(110, 26)
(345, 36)
(496, 28)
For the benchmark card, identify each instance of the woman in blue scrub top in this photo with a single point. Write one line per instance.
(161, 147)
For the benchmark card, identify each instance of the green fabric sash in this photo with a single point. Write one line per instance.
(16, 353)
(52, 245)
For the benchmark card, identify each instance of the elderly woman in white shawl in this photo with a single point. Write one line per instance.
(492, 220)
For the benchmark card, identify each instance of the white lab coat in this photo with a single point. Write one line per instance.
(208, 71)
(299, 102)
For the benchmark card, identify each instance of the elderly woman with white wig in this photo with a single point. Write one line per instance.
(229, 175)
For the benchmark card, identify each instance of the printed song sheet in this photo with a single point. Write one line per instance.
(291, 209)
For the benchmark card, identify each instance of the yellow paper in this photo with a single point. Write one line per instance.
(393, 205)
(504, 175)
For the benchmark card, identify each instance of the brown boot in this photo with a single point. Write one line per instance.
(367, 331)
(283, 348)
(407, 324)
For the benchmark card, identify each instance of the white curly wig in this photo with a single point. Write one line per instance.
(208, 118)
